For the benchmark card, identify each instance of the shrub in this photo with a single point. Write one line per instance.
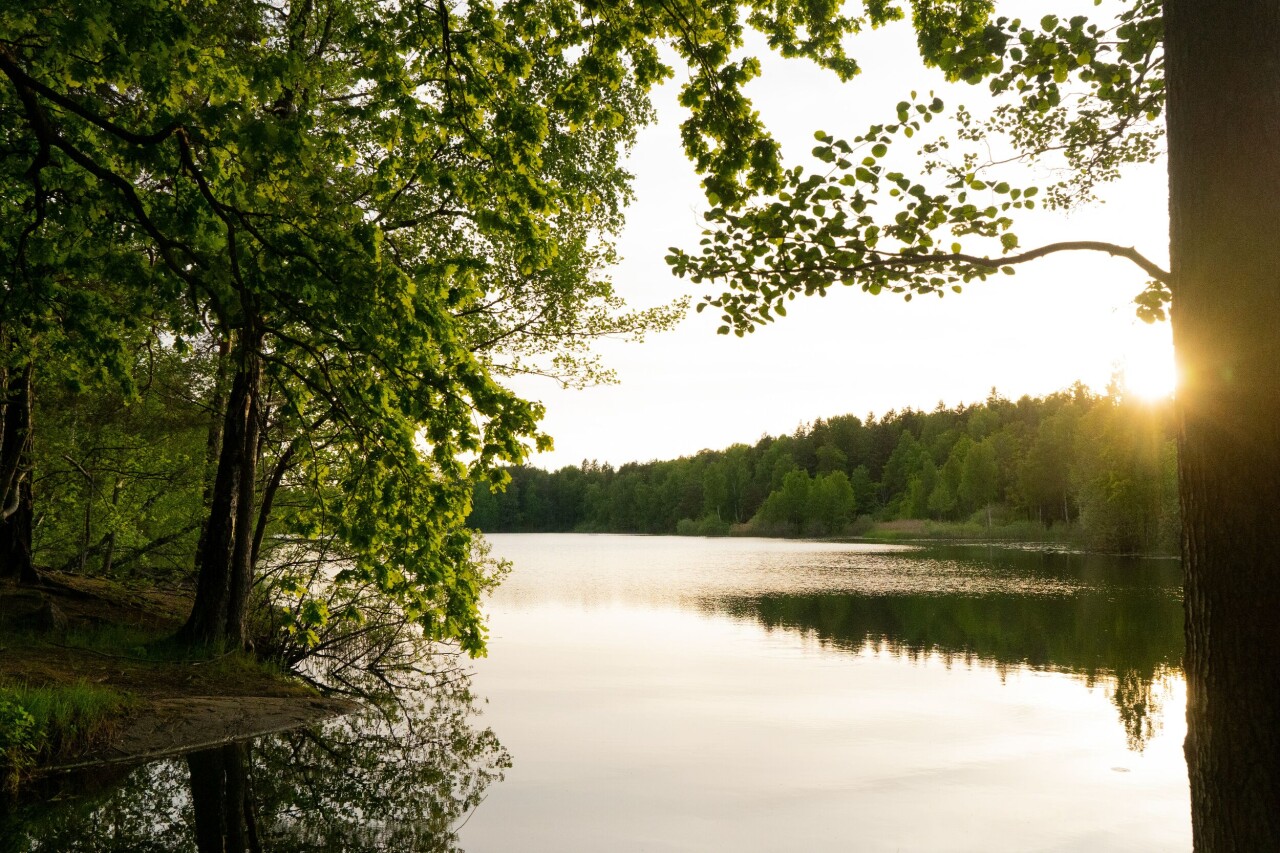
(19, 741)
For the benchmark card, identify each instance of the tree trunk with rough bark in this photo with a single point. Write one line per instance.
(1223, 61)
(16, 499)
(224, 561)
(15, 539)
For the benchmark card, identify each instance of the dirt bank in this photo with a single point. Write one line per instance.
(92, 632)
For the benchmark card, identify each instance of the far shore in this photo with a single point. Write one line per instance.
(901, 531)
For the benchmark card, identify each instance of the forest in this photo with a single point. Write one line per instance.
(1099, 470)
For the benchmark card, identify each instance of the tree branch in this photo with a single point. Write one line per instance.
(1127, 252)
(24, 80)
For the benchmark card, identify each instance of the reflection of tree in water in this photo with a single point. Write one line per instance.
(403, 774)
(148, 811)
(1127, 636)
(1139, 702)
(383, 781)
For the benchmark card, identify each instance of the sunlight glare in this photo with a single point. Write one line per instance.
(1148, 365)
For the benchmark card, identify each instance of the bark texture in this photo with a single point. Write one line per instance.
(16, 503)
(1223, 61)
(15, 433)
(15, 539)
(224, 561)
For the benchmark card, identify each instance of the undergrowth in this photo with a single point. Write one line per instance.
(41, 724)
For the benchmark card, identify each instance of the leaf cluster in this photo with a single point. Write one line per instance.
(1086, 93)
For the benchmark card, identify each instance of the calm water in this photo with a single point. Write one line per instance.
(650, 693)
(691, 694)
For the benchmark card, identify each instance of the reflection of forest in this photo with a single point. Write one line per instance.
(1129, 638)
(400, 776)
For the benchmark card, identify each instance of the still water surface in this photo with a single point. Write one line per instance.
(662, 694)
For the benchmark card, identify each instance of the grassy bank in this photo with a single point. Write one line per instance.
(80, 658)
(42, 725)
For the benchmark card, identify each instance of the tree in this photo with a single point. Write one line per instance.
(715, 491)
(362, 200)
(1224, 180)
(864, 490)
(775, 465)
(120, 476)
(67, 315)
(1209, 69)
(920, 488)
(15, 475)
(1043, 475)
(902, 463)
(945, 499)
(789, 505)
(978, 484)
(831, 458)
(737, 468)
(831, 502)
(1120, 477)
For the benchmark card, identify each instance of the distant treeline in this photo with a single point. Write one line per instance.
(1102, 465)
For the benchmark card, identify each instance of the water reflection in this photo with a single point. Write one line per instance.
(1109, 622)
(664, 693)
(402, 775)
(649, 708)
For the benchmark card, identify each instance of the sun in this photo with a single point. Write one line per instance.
(1148, 367)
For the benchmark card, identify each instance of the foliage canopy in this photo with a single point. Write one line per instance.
(1090, 94)
(379, 209)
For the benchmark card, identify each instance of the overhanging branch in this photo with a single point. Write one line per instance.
(1128, 252)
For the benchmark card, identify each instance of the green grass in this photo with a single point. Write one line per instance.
(40, 724)
(129, 640)
(155, 645)
(244, 664)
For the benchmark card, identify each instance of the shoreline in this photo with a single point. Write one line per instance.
(171, 727)
(75, 651)
(882, 533)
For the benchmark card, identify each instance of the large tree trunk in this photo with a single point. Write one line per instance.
(213, 437)
(224, 560)
(15, 539)
(15, 433)
(16, 502)
(1224, 176)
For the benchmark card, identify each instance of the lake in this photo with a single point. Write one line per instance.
(670, 693)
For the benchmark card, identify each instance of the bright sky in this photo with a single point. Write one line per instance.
(1060, 319)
